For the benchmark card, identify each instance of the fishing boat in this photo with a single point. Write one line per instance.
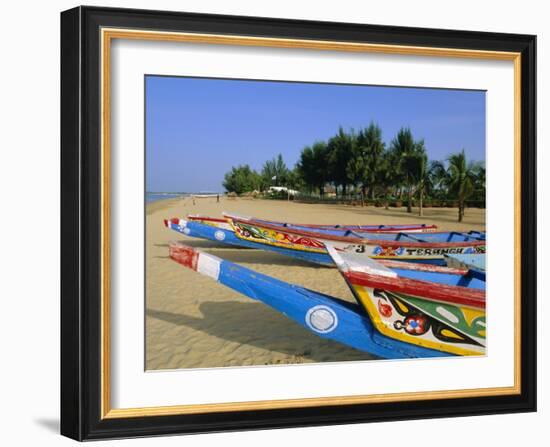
(212, 221)
(226, 235)
(223, 222)
(403, 310)
(311, 246)
(402, 246)
(441, 308)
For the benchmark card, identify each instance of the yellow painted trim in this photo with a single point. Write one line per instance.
(289, 246)
(283, 245)
(365, 299)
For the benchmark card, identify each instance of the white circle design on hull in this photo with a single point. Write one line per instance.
(187, 231)
(219, 235)
(321, 319)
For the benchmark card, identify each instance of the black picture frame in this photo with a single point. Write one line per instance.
(81, 223)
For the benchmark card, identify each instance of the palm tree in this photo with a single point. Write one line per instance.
(460, 180)
(437, 180)
(294, 179)
(313, 166)
(422, 174)
(356, 169)
(275, 170)
(411, 161)
(385, 174)
(371, 147)
(340, 149)
(478, 170)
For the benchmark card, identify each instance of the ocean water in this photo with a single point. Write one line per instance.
(154, 196)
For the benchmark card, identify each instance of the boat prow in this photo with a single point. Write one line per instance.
(325, 316)
(432, 306)
(340, 228)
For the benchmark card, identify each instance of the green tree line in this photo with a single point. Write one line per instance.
(360, 163)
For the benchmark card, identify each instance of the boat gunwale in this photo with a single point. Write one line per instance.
(443, 293)
(197, 217)
(388, 228)
(372, 241)
(433, 268)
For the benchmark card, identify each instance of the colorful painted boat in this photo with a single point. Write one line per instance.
(226, 236)
(312, 248)
(426, 247)
(212, 221)
(410, 228)
(435, 307)
(350, 323)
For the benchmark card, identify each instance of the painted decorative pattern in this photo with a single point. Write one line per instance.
(446, 327)
(404, 251)
(278, 238)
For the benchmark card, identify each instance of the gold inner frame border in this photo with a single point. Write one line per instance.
(107, 35)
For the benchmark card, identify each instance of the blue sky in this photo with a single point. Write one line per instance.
(197, 129)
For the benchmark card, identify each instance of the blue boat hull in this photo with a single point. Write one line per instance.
(325, 316)
(222, 236)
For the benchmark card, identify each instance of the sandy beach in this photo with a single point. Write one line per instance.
(193, 322)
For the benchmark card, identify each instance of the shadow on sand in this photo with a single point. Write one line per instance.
(262, 257)
(254, 324)
(243, 255)
(199, 243)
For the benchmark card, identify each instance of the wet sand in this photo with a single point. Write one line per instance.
(193, 322)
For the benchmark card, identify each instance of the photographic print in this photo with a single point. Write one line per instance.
(294, 222)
